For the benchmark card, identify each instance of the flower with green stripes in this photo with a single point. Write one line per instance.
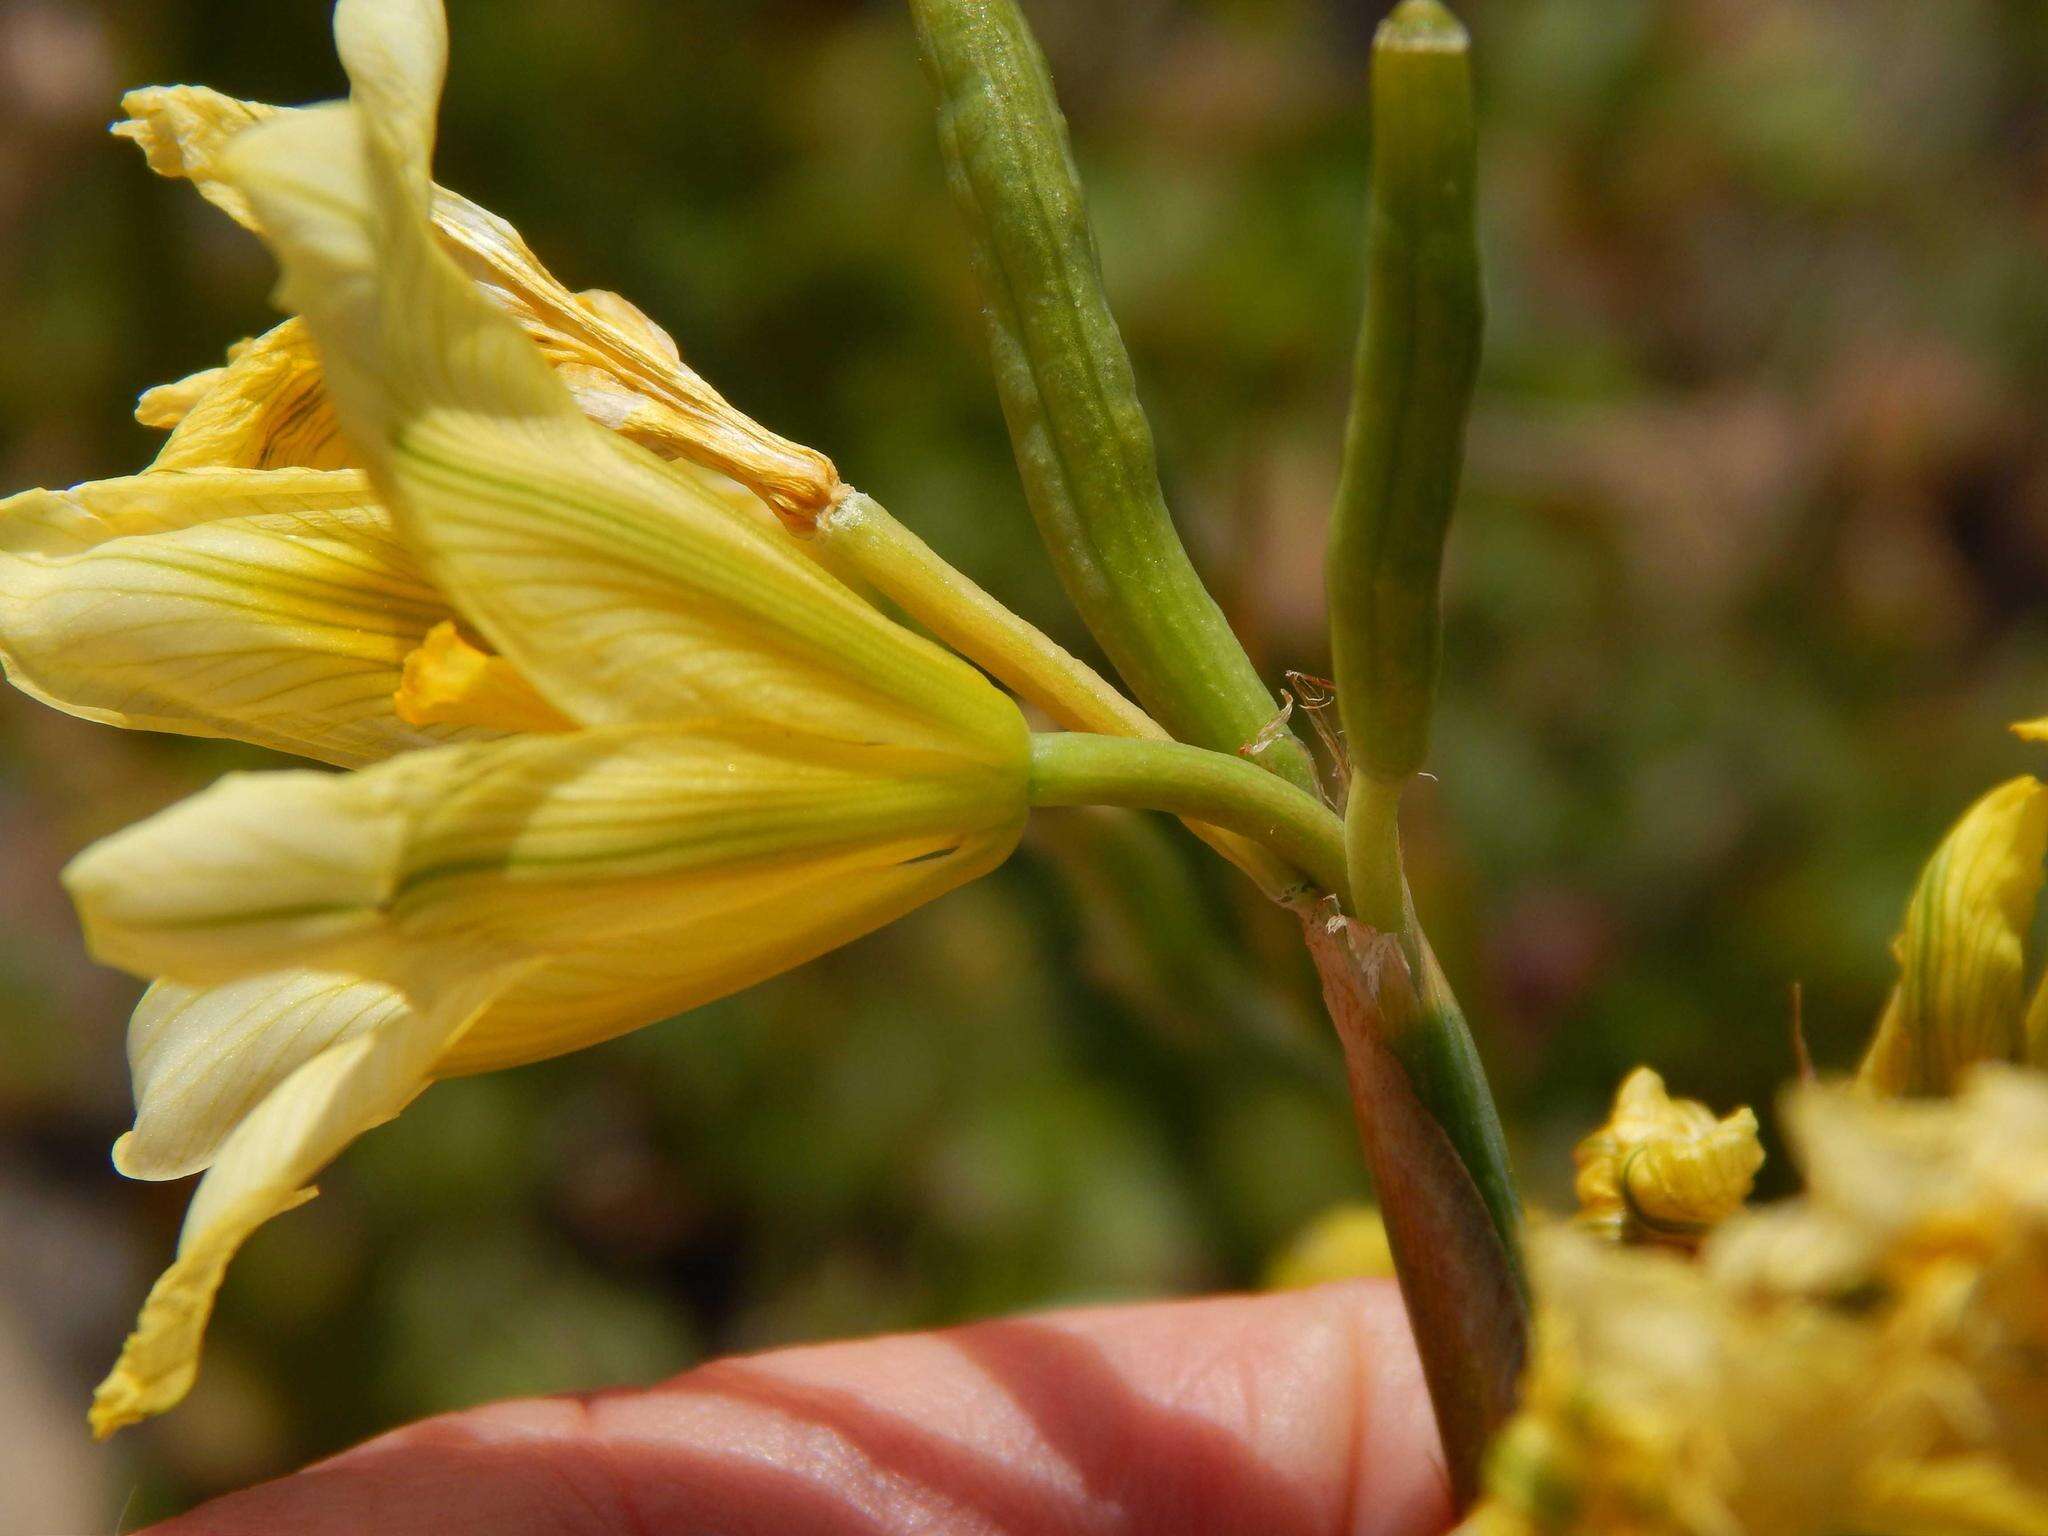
(621, 746)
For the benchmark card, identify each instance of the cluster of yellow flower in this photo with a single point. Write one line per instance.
(621, 744)
(1872, 1356)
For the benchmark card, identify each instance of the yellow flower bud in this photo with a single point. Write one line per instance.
(1665, 1170)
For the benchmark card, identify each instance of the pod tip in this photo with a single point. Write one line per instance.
(1422, 26)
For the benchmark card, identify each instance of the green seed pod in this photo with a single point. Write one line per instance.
(1083, 446)
(1418, 351)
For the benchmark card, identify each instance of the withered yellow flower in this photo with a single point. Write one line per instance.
(1665, 1170)
(623, 369)
(1931, 1218)
(621, 748)
(1658, 1404)
(1960, 996)
(1870, 1357)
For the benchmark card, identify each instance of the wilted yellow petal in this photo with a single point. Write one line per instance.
(1956, 1496)
(1346, 1242)
(545, 845)
(165, 405)
(2032, 730)
(267, 409)
(1664, 1169)
(271, 606)
(264, 1168)
(624, 588)
(623, 369)
(183, 128)
(448, 681)
(1962, 949)
(1927, 1221)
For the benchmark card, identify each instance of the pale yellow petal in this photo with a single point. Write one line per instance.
(1952, 1496)
(623, 368)
(448, 681)
(275, 607)
(267, 409)
(1962, 950)
(624, 588)
(2031, 730)
(742, 932)
(540, 846)
(264, 1168)
(203, 1057)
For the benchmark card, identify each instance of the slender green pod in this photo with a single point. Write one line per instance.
(1418, 353)
(1083, 446)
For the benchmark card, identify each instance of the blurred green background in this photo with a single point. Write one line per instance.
(1748, 579)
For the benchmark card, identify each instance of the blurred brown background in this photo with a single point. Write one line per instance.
(1748, 579)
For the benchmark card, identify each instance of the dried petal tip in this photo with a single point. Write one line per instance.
(1664, 1170)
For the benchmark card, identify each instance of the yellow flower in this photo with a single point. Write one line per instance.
(1658, 1404)
(264, 603)
(625, 748)
(622, 367)
(1869, 1357)
(1665, 1170)
(1961, 953)
(1346, 1242)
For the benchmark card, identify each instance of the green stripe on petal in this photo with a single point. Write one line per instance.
(1961, 952)
(275, 607)
(201, 1057)
(538, 847)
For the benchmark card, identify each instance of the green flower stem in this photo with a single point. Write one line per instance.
(1372, 848)
(859, 538)
(1083, 446)
(859, 534)
(1071, 768)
